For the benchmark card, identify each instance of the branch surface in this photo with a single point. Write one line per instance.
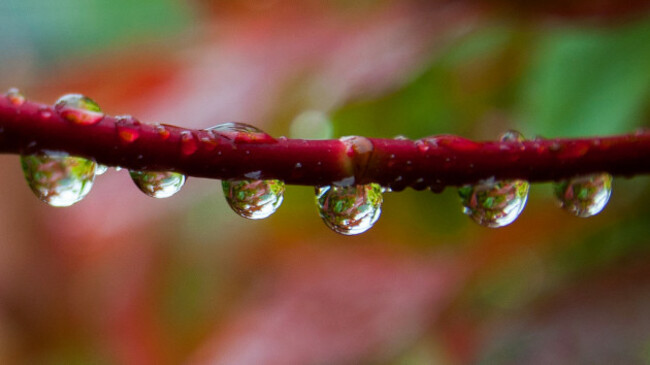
(432, 162)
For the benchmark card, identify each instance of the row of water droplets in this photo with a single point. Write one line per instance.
(62, 180)
(497, 203)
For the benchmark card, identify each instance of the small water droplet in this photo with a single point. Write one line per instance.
(162, 131)
(254, 199)
(78, 109)
(15, 97)
(45, 113)
(454, 143)
(188, 143)
(584, 196)
(57, 178)
(127, 128)
(158, 184)
(298, 165)
(512, 136)
(494, 203)
(208, 140)
(240, 132)
(349, 210)
(101, 169)
(422, 145)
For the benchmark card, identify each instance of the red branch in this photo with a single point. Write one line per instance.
(434, 162)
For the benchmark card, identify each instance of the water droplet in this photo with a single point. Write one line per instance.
(162, 131)
(188, 143)
(584, 196)
(512, 136)
(57, 178)
(349, 210)
(493, 203)
(422, 146)
(254, 199)
(101, 169)
(208, 140)
(240, 132)
(158, 184)
(45, 113)
(15, 97)
(127, 128)
(78, 109)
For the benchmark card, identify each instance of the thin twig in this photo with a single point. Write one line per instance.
(435, 162)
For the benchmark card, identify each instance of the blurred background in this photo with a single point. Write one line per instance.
(121, 278)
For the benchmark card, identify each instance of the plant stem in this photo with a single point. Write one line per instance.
(435, 162)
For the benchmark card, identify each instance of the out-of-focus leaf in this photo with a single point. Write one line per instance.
(56, 28)
(435, 101)
(588, 81)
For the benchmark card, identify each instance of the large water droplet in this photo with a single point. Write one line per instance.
(494, 203)
(349, 210)
(78, 109)
(57, 178)
(240, 132)
(584, 196)
(254, 199)
(158, 184)
(15, 97)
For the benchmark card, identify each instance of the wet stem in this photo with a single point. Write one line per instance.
(432, 162)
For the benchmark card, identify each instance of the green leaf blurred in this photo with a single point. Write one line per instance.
(588, 81)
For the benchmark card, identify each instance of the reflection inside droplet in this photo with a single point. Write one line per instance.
(57, 178)
(349, 210)
(254, 199)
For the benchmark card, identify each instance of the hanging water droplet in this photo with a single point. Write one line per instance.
(349, 210)
(584, 196)
(188, 143)
(492, 203)
(15, 97)
(158, 184)
(101, 169)
(240, 132)
(78, 109)
(57, 178)
(254, 199)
